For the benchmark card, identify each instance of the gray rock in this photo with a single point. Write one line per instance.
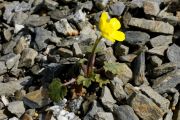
(10, 87)
(9, 8)
(79, 16)
(139, 3)
(36, 20)
(161, 40)
(77, 50)
(42, 35)
(20, 18)
(23, 6)
(152, 25)
(121, 50)
(3, 116)
(124, 112)
(162, 102)
(104, 55)
(87, 5)
(155, 61)
(107, 99)
(104, 116)
(75, 104)
(51, 4)
(59, 14)
(96, 108)
(145, 108)
(21, 45)
(158, 50)
(136, 37)
(116, 86)
(101, 4)
(3, 68)
(173, 54)
(151, 8)
(163, 69)
(126, 74)
(139, 69)
(8, 47)
(169, 115)
(12, 60)
(17, 108)
(27, 57)
(13, 118)
(36, 99)
(7, 34)
(116, 9)
(65, 52)
(166, 82)
(63, 27)
(178, 113)
(127, 58)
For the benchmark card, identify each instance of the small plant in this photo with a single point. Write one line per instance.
(109, 30)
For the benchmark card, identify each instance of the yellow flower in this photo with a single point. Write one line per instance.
(109, 28)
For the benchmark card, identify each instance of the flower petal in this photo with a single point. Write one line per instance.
(118, 35)
(108, 37)
(103, 21)
(114, 22)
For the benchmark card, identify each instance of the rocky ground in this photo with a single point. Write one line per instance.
(45, 39)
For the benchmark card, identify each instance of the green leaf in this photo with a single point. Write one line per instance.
(100, 80)
(56, 90)
(112, 67)
(84, 81)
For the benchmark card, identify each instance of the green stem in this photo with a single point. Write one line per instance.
(91, 59)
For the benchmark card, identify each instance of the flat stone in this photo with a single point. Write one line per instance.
(59, 14)
(96, 108)
(77, 50)
(152, 25)
(27, 57)
(145, 108)
(124, 112)
(169, 115)
(101, 4)
(136, 37)
(166, 82)
(63, 27)
(116, 9)
(139, 69)
(36, 99)
(127, 58)
(161, 40)
(42, 35)
(10, 87)
(36, 20)
(173, 54)
(116, 86)
(121, 50)
(7, 34)
(160, 50)
(17, 108)
(105, 55)
(79, 16)
(51, 4)
(155, 61)
(151, 8)
(65, 52)
(21, 45)
(8, 47)
(14, 59)
(3, 68)
(107, 99)
(162, 102)
(163, 69)
(126, 73)
(104, 116)
(20, 18)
